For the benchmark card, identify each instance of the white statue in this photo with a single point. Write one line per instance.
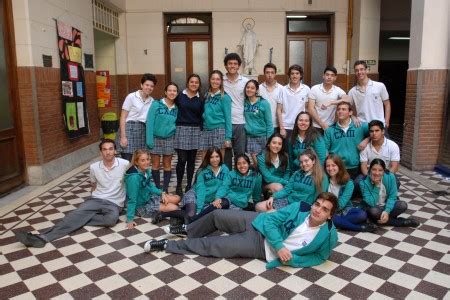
(249, 45)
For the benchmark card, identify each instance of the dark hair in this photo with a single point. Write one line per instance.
(196, 76)
(317, 172)
(282, 155)
(360, 62)
(296, 68)
(344, 103)
(218, 72)
(245, 157)
(342, 176)
(270, 66)
(149, 77)
(312, 134)
(377, 161)
(207, 158)
(326, 196)
(106, 141)
(232, 56)
(330, 68)
(169, 84)
(256, 85)
(376, 123)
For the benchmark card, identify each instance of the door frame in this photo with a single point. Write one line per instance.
(10, 57)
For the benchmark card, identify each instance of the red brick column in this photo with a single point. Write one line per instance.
(424, 118)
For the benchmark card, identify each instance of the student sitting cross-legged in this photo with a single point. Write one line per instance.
(285, 237)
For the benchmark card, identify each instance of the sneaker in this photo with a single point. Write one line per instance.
(369, 227)
(411, 223)
(179, 230)
(157, 218)
(176, 221)
(155, 245)
(30, 240)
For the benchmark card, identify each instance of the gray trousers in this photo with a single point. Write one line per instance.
(239, 139)
(92, 212)
(243, 240)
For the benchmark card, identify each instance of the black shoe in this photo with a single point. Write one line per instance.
(30, 240)
(179, 230)
(155, 245)
(410, 223)
(174, 222)
(179, 191)
(157, 218)
(369, 227)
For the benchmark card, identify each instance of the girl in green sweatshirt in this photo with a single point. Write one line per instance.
(380, 197)
(303, 186)
(160, 133)
(258, 119)
(143, 197)
(240, 185)
(304, 136)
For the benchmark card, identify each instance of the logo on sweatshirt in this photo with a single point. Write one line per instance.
(339, 134)
(242, 183)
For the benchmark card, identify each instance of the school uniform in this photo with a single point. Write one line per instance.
(296, 149)
(273, 97)
(369, 103)
(274, 173)
(189, 121)
(239, 189)
(161, 128)
(322, 97)
(258, 124)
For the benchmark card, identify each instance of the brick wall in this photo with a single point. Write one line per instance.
(424, 118)
(49, 141)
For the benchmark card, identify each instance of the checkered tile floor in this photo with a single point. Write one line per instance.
(110, 263)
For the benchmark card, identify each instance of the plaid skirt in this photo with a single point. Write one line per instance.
(135, 132)
(256, 144)
(189, 197)
(150, 208)
(280, 203)
(187, 138)
(212, 138)
(163, 146)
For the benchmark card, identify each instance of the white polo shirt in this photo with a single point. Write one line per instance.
(293, 102)
(273, 97)
(235, 89)
(299, 238)
(323, 97)
(389, 151)
(369, 104)
(110, 183)
(137, 107)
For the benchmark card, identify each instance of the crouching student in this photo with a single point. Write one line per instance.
(303, 186)
(144, 198)
(285, 237)
(380, 197)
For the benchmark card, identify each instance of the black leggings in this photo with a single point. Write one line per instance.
(186, 159)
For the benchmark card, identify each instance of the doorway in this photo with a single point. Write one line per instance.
(188, 48)
(11, 149)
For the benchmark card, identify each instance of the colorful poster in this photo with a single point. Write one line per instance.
(71, 116)
(73, 89)
(103, 89)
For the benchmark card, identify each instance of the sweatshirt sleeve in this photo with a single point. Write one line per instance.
(367, 192)
(268, 119)
(327, 138)
(391, 191)
(256, 195)
(273, 222)
(150, 124)
(132, 184)
(225, 187)
(321, 150)
(200, 191)
(292, 159)
(346, 195)
(226, 105)
(286, 190)
(267, 175)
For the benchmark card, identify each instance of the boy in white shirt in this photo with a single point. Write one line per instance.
(270, 90)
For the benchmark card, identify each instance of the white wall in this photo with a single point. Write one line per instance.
(105, 52)
(35, 28)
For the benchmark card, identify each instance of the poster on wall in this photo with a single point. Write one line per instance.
(73, 88)
(103, 89)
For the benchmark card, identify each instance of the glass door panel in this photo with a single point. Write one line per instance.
(319, 58)
(200, 62)
(178, 63)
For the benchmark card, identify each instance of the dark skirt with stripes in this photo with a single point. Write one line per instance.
(212, 138)
(187, 138)
(256, 144)
(163, 146)
(135, 132)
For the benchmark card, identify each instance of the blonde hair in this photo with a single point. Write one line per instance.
(316, 173)
(136, 155)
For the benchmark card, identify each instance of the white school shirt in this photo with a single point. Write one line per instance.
(299, 238)
(137, 107)
(321, 96)
(389, 151)
(273, 98)
(235, 89)
(293, 102)
(110, 183)
(369, 104)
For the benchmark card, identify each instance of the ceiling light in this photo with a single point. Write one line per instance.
(400, 38)
(296, 17)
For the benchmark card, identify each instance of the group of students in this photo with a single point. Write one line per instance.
(305, 165)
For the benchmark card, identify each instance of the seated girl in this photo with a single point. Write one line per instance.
(144, 198)
(303, 186)
(341, 185)
(380, 197)
(273, 164)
